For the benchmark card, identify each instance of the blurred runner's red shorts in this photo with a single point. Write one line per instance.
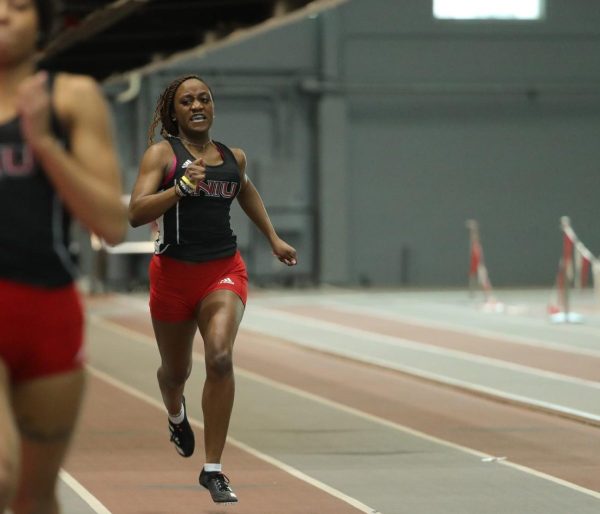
(41, 330)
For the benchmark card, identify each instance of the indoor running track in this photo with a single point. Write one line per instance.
(347, 402)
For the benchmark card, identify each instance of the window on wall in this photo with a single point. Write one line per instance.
(488, 9)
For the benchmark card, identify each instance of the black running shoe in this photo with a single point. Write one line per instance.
(182, 435)
(218, 485)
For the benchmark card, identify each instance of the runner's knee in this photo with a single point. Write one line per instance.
(173, 377)
(219, 364)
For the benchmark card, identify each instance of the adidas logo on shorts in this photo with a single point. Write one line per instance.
(226, 281)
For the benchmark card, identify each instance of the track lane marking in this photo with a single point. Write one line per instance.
(252, 451)
(415, 345)
(147, 340)
(83, 493)
(479, 332)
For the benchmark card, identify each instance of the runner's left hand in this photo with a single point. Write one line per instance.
(284, 252)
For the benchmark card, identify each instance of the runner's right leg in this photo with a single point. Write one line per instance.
(9, 443)
(175, 341)
(46, 410)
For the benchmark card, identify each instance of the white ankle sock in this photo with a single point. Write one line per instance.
(179, 417)
(211, 468)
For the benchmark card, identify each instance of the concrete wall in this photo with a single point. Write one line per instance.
(374, 131)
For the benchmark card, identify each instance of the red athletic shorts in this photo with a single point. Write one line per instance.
(177, 287)
(41, 330)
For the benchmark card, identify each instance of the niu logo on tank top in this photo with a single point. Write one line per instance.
(213, 188)
(216, 188)
(16, 161)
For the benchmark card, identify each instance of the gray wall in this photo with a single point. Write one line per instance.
(450, 121)
(373, 132)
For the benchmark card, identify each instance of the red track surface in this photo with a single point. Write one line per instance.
(121, 454)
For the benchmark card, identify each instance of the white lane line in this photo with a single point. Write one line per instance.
(479, 332)
(242, 446)
(390, 299)
(435, 377)
(83, 493)
(414, 345)
(456, 327)
(338, 305)
(142, 338)
(438, 378)
(488, 392)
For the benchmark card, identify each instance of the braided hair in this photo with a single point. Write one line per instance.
(48, 11)
(163, 113)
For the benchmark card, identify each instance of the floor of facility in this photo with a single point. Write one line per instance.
(378, 401)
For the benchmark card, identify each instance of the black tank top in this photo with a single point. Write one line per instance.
(34, 225)
(197, 228)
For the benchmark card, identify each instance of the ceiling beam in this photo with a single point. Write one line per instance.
(96, 22)
(239, 35)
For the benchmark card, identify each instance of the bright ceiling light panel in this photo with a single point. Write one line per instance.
(488, 9)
